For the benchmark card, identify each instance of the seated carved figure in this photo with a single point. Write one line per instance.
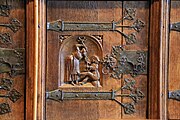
(92, 75)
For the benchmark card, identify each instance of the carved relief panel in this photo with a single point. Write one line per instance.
(79, 58)
(97, 51)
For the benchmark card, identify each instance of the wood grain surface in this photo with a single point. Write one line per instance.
(174, 61)
(93, 11)
(17, 11)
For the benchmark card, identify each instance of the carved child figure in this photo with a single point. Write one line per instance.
(92, 75)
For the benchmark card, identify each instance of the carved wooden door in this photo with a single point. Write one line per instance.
(12, 60)
(97, 60)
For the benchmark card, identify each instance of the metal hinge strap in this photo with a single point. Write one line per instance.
(175, 26)
(129, 108)
(12, 61)
(175, 95)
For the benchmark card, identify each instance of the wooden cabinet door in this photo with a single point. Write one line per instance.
(174, 64)
(12, 59)
(97, 62)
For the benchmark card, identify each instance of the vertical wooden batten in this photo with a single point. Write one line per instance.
(41, 59)
(164, 56)
(154, 61)
(30, 59)
(36, 59)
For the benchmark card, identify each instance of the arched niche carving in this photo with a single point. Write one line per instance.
(93, 47)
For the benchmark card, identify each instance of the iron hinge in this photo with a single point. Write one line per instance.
(175, 27)
(175, 95)
(129, 108)
(12, 61)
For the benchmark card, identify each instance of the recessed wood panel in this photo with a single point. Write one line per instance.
(98, 44)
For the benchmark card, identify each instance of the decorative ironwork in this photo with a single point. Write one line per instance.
(61, 26)
(14, 25)
(129, 85)
(4, 108)
(5, 10)
(12, 94)
(175, 26)
(6, 84)
(12, 61)
(121, 62)
(175, 95)
(5, 38)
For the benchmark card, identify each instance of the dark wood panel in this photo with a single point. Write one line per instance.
(154, 61)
